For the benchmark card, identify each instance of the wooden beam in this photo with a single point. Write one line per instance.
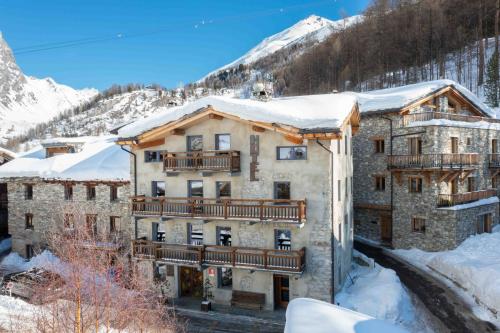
(427, 177)
(215, 116)
(258, 129)
(294, 139)
(178, 131)
(149, 144)
(495, 173)
(444, 175)
(453, 176)
(465, 175)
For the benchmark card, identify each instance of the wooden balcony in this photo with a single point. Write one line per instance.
(412, 118)
(448, 200)
(494, 160)
(221, 256)
(214, 160)
(289, 211)
(433, 161)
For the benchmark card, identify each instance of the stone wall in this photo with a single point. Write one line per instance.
(48, 207)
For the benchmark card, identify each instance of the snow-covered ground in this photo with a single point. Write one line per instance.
(378, 292)
(473, 269)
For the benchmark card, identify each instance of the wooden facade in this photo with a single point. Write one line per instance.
(448, 200)
(433, 161)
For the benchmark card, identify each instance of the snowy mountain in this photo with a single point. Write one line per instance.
(312, 29)
(26, 101)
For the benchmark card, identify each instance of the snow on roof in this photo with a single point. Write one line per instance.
(304, 112)
(7, 152)
(100, 159)
(399, 97)
(310, 315)
(66, 140)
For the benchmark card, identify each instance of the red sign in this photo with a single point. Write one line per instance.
(211, 271)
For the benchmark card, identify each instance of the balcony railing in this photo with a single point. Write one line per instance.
(448, 200)
(494, 160)
(227, 256)
(221, 209)
(217, 160)
(411, 118)
(433, 161)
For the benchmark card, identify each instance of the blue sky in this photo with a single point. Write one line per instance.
(167, 42)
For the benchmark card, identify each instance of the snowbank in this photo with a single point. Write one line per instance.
(99, 159)
(310, 315)
(474, 266)
(44, 260)
(304, 112)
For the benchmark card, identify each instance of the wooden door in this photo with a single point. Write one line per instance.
(191, 282)
(415, 146)
(494, 146)
(281, 291)
(386, 228)
(454, 145)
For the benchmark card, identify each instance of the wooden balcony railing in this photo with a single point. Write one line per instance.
(433, 161)
(494, 160)
(221, 209)
(216, 160)
(448, 200)
(207, 255)
(411, 118)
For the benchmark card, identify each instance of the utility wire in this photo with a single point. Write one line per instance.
(117, 36)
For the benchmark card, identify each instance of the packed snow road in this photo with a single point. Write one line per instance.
(439, 299)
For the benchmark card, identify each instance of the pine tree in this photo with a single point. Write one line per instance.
(492, 86)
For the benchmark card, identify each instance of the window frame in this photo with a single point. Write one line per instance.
(158, 159)
(113, 225)
(418, 224)
(379, 146)
(154, 188)
(89, 192)
(218, 185)
(419, 184)
(292, 148)
(380, 183)
(188, 143)
(68, 192)
(190, 188)
(217, 143)
(69, 221)
(28, 221)
(28, 194)
(275, 189)
(113, 193)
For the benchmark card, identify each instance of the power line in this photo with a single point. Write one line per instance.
(196, 24)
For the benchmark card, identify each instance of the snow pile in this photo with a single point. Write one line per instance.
(17, 315)
(46, 260)
(314, 28)
(305, 112)
(5, 245)
(478, 203)
(310, 315)
(99, 159)
(397, 98)
(474, 266)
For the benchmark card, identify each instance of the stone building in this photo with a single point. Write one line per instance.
(5, 156)
(246, 201)
(83, 179)
(426, 166)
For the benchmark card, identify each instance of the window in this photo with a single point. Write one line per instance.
(153, 156)
(224, 277)
(494, 146)
(29, 221)
(454, 145)
(418, 224)
(346, 142)
(113, 193)
(469, 141)
(222, 142)
(283, 239)
(471, 184)
(68, 192)
(379, 183)
(415, 146)
(157, 189)
(195, 188)
(69, 221)
(339, 189)
(292, 153)
(338, 146)
(91, 224)
(195, 234)
(415, 184)
(346, 187)
(90, 192)
(223, 236)
(282, 190)
(484, 223)
(194, 143)
(114, 222)
(223, 189)
(454, 186)
(28, 191)
(379, 146)
(29, 251)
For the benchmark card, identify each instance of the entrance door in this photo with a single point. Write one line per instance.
(454, 145)
(191, 282)
(281, 291)
(386, 228)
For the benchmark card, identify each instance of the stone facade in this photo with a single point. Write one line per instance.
(48, 206)
(315, 179)
(444, 228)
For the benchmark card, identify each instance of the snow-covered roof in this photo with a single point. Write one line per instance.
(7, 152)
(310, 315)
(59, 141)
(399, 97)
(99, 160)
(304, 112)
